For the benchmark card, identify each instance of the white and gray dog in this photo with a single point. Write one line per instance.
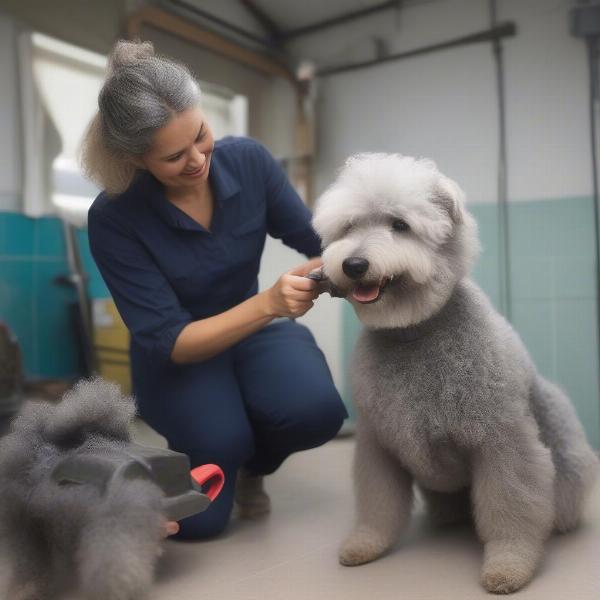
(447, 396)
(59, 537)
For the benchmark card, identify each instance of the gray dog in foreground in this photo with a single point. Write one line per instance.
(58, 537)
(447, 395)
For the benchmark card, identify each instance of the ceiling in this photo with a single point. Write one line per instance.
(291, 15)
(282, 16)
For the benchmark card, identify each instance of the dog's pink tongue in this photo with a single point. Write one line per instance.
(365, 293)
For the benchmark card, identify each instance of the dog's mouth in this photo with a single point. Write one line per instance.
(367, 292)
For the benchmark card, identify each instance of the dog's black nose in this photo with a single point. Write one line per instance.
(355, 267)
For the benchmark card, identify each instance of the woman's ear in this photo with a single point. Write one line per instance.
(450, 196)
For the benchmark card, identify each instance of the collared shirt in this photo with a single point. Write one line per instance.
(164, 270)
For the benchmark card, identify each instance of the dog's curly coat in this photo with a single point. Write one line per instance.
(59, 536)
(447, 395)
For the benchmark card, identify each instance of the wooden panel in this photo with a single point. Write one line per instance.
(192, 32)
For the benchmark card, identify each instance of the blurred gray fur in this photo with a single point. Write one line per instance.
(60, 537)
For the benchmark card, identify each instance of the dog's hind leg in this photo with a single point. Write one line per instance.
(513, 504)
(384, 499)
(447, 508)
(575, 463)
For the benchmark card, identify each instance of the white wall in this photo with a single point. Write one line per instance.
(443, 105)
(10, 126)
(548, 125)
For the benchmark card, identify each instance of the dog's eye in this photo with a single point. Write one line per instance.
(400, 225)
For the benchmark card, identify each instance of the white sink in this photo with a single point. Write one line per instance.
(73, 209)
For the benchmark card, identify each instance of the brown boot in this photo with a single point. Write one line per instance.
(250, 496)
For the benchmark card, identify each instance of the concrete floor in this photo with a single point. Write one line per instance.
(292, 554)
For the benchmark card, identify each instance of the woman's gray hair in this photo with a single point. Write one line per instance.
(139, 96)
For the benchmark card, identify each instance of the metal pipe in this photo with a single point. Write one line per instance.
(498, 32)
(585, 22)
(334, 21)
(593, 46)
(78, 280)
(503, 214)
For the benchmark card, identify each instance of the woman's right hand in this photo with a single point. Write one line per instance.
(293, 294)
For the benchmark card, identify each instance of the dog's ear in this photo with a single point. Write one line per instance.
(328, 219)
(450, 196)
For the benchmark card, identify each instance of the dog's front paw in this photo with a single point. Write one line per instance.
(362, 546)
(504, 578)
(508, 566)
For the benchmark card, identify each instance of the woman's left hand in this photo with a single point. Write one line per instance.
(171, 528)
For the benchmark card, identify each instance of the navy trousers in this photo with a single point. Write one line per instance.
(253, 405)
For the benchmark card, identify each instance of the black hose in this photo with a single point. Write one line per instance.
(593, 53)
(503, 220)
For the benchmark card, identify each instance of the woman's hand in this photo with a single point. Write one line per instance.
(293, 294)
(171, 528)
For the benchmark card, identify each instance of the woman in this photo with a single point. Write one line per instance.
(178, 235)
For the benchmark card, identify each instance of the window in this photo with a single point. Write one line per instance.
(69, 79)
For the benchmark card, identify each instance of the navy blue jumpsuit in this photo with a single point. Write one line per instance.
(264, 398)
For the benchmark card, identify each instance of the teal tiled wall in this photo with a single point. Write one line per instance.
(32, 302)
(553, 294)
(552, 280)
(554, 297)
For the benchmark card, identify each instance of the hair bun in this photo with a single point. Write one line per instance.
(126, 53)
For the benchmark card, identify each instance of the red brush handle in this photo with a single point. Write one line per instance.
(204, 473)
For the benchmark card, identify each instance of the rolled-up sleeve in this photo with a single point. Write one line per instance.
(288, 218)
(144, 298)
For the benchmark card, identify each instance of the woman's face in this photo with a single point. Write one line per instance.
(181, 151)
